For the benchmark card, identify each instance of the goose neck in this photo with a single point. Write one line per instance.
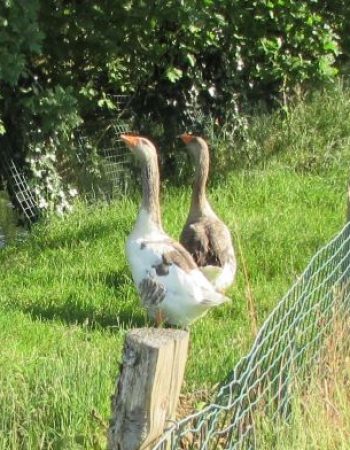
(150, 190)
(199, 199)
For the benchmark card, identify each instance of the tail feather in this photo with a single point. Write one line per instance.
(211, 272)
(214, 298)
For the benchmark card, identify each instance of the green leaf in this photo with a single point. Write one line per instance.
(194, 29)
(173, 74)
(2, 127)
(331, 46)
(191, 59)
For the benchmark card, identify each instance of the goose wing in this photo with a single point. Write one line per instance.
(167, 253)
(209, 241)
(170, 281)
(195, 239)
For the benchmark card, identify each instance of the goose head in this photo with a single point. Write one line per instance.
(146, 153)
(141, 147)
(198, 149)
(195, 145)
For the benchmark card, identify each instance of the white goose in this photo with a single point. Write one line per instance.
(170, 284)
(204, 235)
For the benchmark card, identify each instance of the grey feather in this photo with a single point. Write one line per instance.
(152, 292)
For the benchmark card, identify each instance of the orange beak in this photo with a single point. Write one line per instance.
(131, 140)
(186, 138)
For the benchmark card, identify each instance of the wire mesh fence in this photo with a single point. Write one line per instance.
(114, 171)
(286, 347)
(98, 164)
(114, 162)
(22, 192)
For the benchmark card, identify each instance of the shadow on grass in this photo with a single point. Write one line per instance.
(72, 310)
(73, 314)
(88, 233)
(115, 279)
(38, 243)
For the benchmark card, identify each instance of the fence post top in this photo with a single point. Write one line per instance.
(155, 335)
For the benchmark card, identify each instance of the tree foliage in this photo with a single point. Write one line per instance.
(63, 61)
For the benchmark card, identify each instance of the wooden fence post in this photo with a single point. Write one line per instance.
(148, 387)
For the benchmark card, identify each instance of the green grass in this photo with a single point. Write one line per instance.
(67, 298)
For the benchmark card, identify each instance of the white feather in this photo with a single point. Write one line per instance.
(188, 295)
(221, 277)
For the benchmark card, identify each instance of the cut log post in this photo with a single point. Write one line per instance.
(148, 387)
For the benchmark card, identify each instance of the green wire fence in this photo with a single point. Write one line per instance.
(287, 346)
(101, 168)
(115, 164)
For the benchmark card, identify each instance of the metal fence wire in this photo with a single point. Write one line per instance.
(287, 346)
(115, 163)
(23, 194)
